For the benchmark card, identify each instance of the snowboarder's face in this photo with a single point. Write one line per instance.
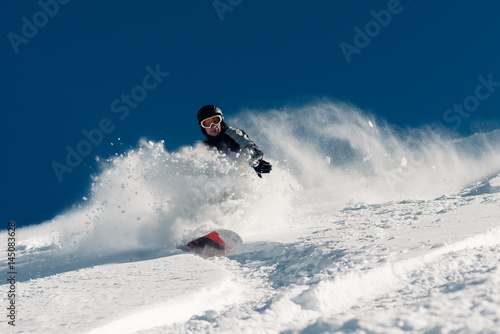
(213, 130)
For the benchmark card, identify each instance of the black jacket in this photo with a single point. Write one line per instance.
(234, 140)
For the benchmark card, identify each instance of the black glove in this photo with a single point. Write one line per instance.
(263, 167)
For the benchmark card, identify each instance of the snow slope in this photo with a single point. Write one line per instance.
(359, 228)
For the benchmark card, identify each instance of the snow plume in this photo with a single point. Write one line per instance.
(342, 155)
(152, 199)
(325, 156)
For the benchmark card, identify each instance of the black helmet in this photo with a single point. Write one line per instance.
(208, 111)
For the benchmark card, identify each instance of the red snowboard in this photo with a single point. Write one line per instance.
(216, 243)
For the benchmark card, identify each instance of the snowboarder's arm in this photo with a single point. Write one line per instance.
(246, 145)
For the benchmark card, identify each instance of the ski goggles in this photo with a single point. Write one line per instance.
(207, 122)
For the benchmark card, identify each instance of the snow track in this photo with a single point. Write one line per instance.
(127, 297)
(343, 292)
(375, 272)
(177, 309)
(407, 266)
(340, 272)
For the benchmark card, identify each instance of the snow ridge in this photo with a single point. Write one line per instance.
(343, 292)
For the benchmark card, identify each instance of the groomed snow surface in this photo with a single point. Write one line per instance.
(357, 230)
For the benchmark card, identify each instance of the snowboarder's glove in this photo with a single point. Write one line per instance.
(263, 167)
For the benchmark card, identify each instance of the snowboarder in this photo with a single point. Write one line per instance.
(228, 139)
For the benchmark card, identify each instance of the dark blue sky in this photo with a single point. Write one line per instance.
(70, 66)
